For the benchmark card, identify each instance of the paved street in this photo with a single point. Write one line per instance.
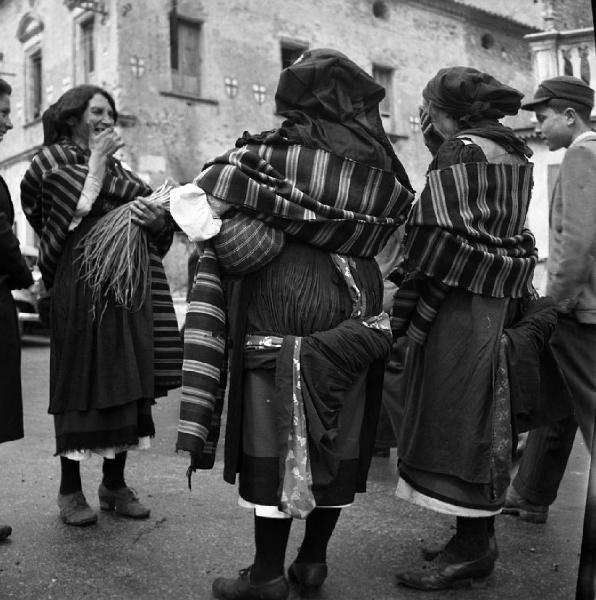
(194, 536)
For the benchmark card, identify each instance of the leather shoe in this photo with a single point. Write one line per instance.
(518, 506)
(124, 501)
(242, 589)
(431, 551)
(308, 576)
(443, 573)
(74, 509)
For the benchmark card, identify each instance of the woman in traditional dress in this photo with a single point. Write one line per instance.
(305, 209)
(469, 262)
(14, 274)
(107, 364)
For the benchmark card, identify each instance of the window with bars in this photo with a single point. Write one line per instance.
(185, 54)
(87, 43)
(34, 84)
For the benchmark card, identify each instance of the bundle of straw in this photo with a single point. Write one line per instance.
(114, 262)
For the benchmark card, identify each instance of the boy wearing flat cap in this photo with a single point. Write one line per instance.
(562, 106)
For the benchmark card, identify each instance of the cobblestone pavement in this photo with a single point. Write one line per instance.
(194, 536)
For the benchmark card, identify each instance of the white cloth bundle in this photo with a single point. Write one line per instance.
(191, 211)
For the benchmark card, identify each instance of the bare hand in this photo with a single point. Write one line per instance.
(105, 143)
(148, 214)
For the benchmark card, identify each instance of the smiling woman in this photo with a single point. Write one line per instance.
(105, 372)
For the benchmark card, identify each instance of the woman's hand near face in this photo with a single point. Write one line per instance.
(105, 143)
(102, 145)
(148, 214)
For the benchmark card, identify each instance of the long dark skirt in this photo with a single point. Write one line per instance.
(11, 403)
(299, 293)
(101, 368)
(259, 473)
(450, 438)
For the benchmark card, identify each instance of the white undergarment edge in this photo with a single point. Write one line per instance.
(406, 492)
(272, 512)
(144, 444)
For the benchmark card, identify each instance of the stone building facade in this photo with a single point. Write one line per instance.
(189, 76)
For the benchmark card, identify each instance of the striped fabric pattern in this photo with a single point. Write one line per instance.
(325, 200)
(167, 342)
(332, 202)
(467, 231)
(245, 244)
(50, 191)
(204, 369)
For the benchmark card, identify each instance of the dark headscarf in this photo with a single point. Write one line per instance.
(471, 96)
(477, 100)
(329, 102)
(72, 103)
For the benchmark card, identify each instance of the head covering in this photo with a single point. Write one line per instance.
(563, 87)
(471, 96)
(477, 100)
(330, 103)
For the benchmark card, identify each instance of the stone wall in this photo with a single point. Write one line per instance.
(171, 135)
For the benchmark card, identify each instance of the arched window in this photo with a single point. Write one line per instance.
(29, 26)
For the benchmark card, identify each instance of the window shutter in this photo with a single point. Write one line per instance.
(173, 41)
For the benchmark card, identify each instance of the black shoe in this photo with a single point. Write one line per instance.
(443, 573)
(308, 576)
(242, 589)
(431, 551)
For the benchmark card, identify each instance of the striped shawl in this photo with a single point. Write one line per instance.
(322, 199)
(50, 191)
(332, 202)
(467, 231)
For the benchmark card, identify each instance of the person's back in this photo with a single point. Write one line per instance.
(469, 262)
(494, 152)
(308, 339)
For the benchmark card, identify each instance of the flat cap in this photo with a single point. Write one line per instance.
(563, 87)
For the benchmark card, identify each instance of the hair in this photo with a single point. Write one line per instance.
(5, 89)
(72, 103)
(559, 105)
